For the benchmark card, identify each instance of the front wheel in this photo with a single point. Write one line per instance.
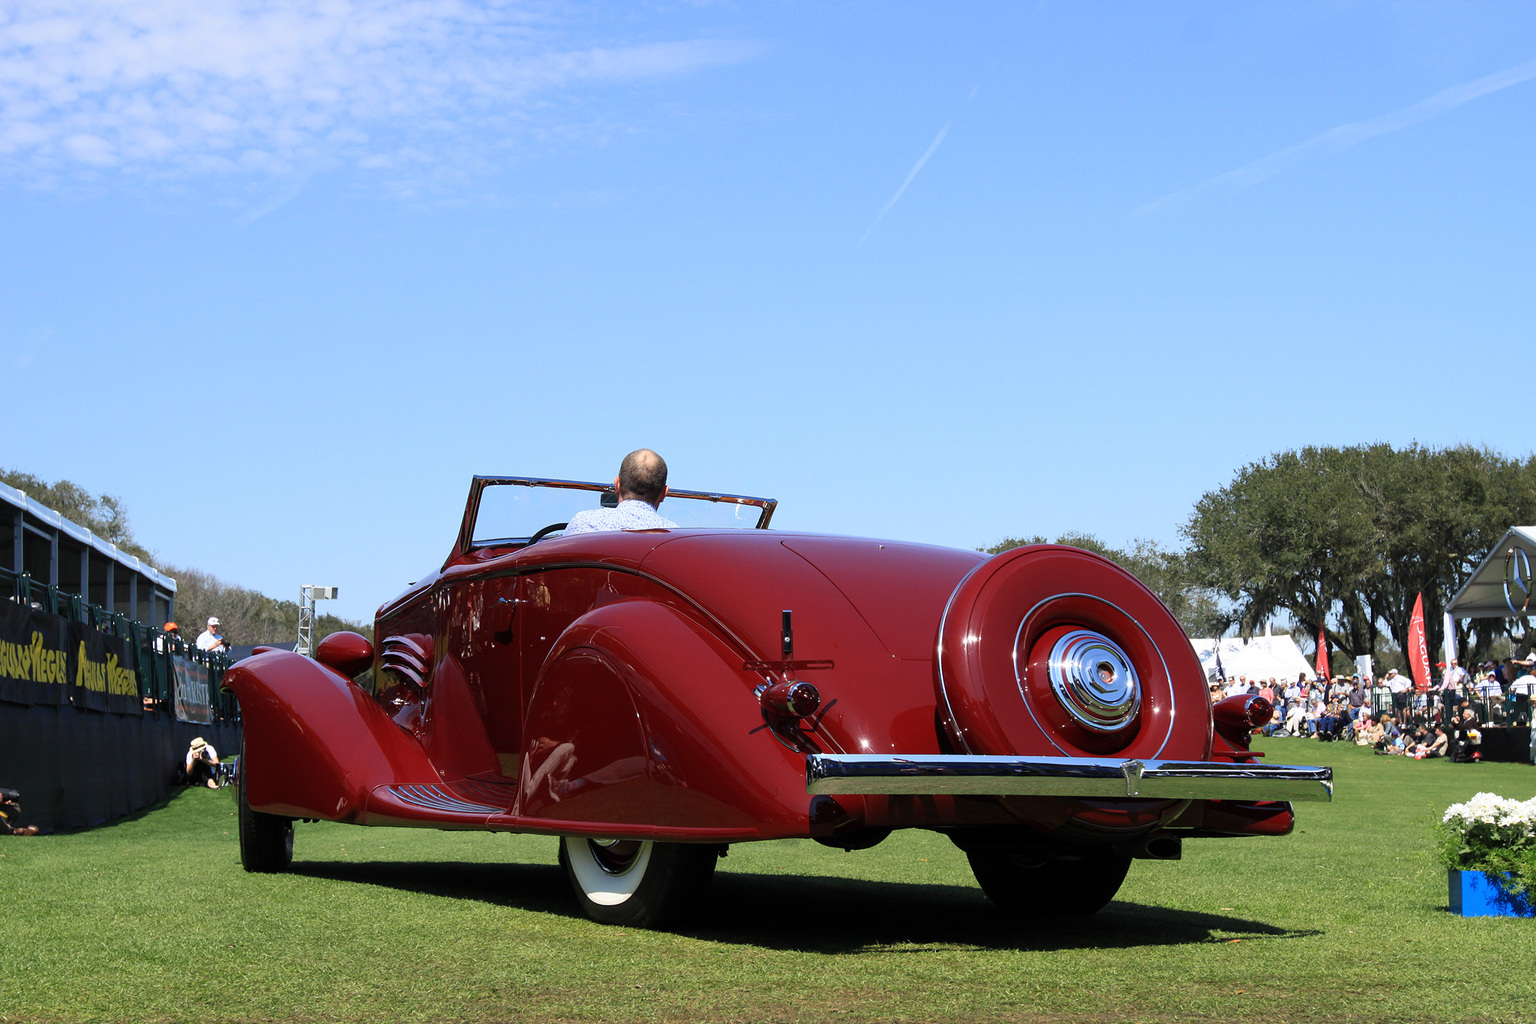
(266, 840)
(1035, 884)
(636, 883)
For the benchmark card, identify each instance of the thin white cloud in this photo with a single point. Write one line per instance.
(1336, 140)
(24, 354)
(262, 209)
(172, 88)
(932, 148)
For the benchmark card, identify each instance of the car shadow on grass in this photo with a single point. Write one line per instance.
(824, 914)
(540, 888)
(831, 915)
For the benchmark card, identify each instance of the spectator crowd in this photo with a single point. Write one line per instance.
(1394, 716)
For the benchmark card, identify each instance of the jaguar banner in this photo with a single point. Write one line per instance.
(1418, 653)
(102, 672)
(193, 691)
(34, 656)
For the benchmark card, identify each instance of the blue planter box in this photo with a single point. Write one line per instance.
(1477, 894)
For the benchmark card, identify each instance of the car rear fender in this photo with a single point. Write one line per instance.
(316, 743)
(689, 714)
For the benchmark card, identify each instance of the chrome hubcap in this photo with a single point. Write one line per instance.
(614, 856)
(1094, 681)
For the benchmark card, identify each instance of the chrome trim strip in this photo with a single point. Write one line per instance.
(389, 664)
(393, 656)
(400, 639)
(980, 775)
(586, 485)
(437, 798)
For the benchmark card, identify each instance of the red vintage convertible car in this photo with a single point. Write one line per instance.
(651, 697)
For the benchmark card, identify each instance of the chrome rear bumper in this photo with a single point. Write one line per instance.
(978, 775)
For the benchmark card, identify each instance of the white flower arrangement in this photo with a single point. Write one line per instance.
(1495, 835)
(1492, 809)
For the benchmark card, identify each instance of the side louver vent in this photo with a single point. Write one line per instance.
(408, 656)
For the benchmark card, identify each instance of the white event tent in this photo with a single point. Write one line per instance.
(1501, 586)
(1259, 658)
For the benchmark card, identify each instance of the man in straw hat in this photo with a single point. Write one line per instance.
(202, 759)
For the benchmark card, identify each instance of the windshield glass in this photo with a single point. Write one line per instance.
(512, 510)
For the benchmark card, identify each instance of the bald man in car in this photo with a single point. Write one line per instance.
(640, 486)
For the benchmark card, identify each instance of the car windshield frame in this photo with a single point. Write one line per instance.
(467, 541)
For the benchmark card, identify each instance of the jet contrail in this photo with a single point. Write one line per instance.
(1335, 140)
(912, 174)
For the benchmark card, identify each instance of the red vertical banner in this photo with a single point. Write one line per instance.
(1323, 671)
(1418, 653)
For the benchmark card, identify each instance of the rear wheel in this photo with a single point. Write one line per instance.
(266, 840)
(636, 883)
(1035, 884)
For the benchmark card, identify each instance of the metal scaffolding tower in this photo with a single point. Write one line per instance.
(308, 595)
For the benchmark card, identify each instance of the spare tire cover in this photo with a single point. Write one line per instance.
(1048, 650)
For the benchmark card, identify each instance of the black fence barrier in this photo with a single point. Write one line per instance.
(76, 768)
(56, 648)
(1505, 743)
(97, 710)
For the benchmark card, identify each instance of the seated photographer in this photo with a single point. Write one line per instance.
(10, 815)
(201, 761)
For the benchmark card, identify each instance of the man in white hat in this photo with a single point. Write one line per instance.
(210, 639)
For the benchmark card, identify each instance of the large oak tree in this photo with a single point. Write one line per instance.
(1349, 537)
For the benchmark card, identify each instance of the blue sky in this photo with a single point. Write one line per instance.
(284, 275)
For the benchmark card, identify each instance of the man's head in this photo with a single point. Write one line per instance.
(213, 624)
(642, 476)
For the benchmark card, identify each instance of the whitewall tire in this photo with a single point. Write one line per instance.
(638, 883)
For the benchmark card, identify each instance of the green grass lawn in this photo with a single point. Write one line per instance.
(153, 919)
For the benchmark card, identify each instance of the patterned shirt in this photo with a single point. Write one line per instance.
(630, 514)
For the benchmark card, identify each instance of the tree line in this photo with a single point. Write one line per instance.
(245, 616)
(1339, 538)
(1344, 539)
(104, 515)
